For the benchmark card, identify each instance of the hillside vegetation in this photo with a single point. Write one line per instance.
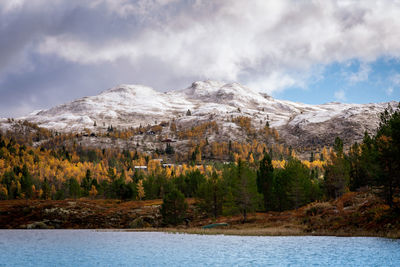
(224, 179)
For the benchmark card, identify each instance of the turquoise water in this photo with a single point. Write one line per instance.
(94, 248)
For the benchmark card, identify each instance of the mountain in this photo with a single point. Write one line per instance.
(126, 106)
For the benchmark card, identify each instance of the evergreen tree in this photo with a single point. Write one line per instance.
(211, 195)
(26, 182)
(45, 189)
(74, 188)
(337, 173)
(312, 156)
(86, 183)
(364, 166)
(119, 189)
(265, 176)
(338, 146)
(193, 180)
(282, 187)
(300, 192)
(245, 190)
(173, 208)
(388, 153)
(169, 149)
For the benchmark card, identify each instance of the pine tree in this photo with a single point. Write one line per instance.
(312, 156)
(86, 183)
(173, 208)
(46, 189)
(211, 195)
(74, 188)
(245, 190)
(387, 142)
(26, 182)
(337, 173)
(169, 149)
(265, 176)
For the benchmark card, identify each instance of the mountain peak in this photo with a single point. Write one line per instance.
(203, 88)
(216, 90)
(206, 84)
(133, 89)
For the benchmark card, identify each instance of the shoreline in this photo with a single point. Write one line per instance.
(260, 232)
(353, 215)
(272, 231)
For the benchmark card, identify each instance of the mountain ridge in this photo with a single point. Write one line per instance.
(127, 106)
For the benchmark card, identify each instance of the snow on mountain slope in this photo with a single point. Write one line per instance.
(123, 106)
(127, 106)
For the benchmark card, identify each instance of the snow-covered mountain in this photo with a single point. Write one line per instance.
(127, 106)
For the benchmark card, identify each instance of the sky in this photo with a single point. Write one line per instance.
(315, 52)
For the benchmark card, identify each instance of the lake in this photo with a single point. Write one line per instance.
(102, 248)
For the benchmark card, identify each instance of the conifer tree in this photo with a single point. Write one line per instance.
(211, 195)
(173, 208)
(337, 173)
(245, 190)
(265, 176)
(387, 142)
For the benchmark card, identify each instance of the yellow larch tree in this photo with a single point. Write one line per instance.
(93, 192)
(140, 189)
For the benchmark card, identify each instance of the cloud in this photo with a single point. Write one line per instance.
(272, 45)
(225, 40)
(11, 5)
(361, 75)
(277, 81)
(395, 82)
(340, 95)
(395, 79)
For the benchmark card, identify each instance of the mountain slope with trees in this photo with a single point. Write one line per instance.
(135, 106)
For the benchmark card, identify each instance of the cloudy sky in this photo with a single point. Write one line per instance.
(55, 51)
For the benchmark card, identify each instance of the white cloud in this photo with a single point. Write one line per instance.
(395, 82)
(395, 79)
(11, 5)
(271, 45)
(126, 8)
(273, 82)
(77, 51)
(361, 75)
(224, 40)
(340, 95)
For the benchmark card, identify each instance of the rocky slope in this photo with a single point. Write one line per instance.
(127, 106)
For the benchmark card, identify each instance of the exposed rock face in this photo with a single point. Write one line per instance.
(127, 106)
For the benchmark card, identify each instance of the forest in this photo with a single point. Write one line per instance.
(258, 178)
